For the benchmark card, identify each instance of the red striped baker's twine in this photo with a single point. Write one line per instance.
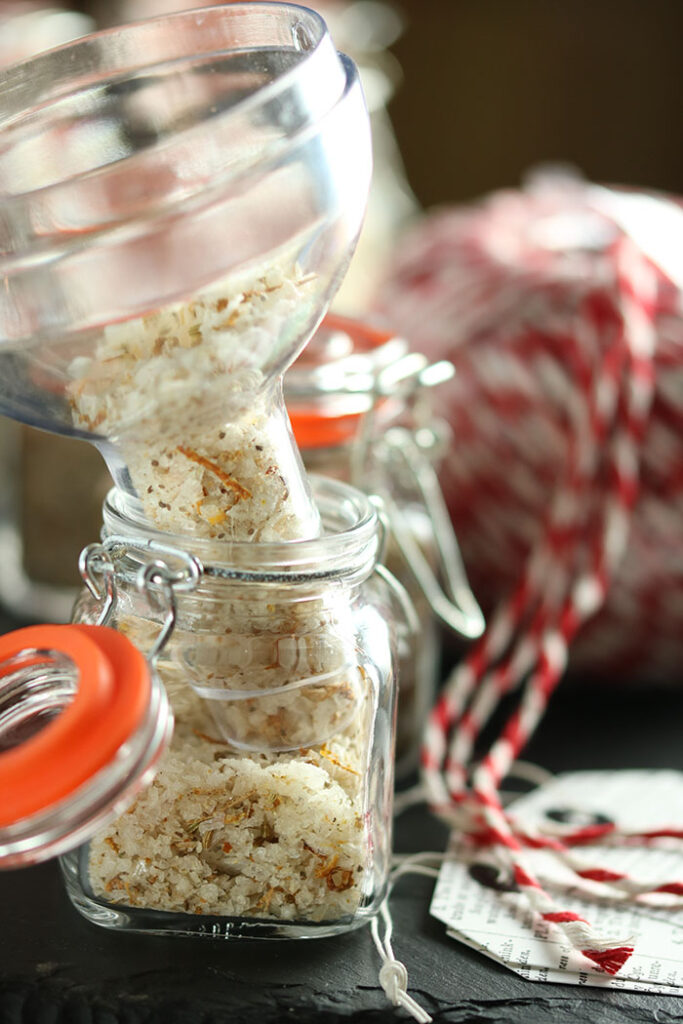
(529, 637)
(461, 283)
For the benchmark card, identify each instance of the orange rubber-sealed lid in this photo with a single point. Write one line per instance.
(365, 336)
(317, 426)
(112, 695)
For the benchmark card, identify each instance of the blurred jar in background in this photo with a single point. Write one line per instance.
(52, 488)
(361, 412)
(364, 29)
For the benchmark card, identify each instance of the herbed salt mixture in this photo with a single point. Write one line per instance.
(258, 808)
(260, 835)
(183, 392)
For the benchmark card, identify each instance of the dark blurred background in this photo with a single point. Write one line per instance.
(492, 87)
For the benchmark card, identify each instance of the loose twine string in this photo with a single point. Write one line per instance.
(565, 582)
(393, 975)
(595, 352)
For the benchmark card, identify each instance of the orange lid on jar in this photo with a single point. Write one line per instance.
(334, 382)
(81, 721)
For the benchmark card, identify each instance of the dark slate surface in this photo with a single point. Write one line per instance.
(55, 968)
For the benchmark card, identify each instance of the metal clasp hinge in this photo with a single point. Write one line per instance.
(456, 605)
(156, 579)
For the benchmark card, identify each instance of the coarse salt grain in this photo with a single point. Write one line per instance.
(259, 836)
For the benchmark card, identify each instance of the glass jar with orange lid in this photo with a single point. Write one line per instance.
(127, 160)
(236, 780)
(358, 401)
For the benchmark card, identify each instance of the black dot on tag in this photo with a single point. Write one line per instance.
(492, 877)
(581, 819)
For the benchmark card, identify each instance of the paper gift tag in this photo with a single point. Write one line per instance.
(482, 908)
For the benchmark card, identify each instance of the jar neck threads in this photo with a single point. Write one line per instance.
(347, 550)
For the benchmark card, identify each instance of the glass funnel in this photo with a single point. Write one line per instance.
(179, 199)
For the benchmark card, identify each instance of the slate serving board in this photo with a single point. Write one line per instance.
(56, 968)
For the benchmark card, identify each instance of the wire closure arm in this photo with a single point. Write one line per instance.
(399, 592)
(95, 564)
(456, 605)
(157, 579)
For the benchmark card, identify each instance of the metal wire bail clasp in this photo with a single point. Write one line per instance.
(156, 578)
(95, 564)
(399, 592)
(453, 603)
(456, 605)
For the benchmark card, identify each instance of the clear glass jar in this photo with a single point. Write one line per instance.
(126, 162)
(270, 814)
(357, 399)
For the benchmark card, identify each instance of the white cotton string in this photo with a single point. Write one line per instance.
(409, 798)
(414, 864)
(393, 976)
(526, 771)
(416, 869)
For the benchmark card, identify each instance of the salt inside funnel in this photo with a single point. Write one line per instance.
(178, 201)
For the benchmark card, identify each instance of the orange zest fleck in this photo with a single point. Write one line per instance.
(209, 739)
(324, 870)
(265, 900)
(121, 883)
(324, 752)
(217, 519)
(232, 819)
(339, 879)
(212, 467)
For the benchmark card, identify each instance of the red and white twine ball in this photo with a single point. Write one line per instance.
(564, 481)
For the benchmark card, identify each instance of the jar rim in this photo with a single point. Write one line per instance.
(87, 764)
(38, 94)
(21, 77)
(117, 60)
(368, 351)
(330, 387)
(122, 186)
(349, 546)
